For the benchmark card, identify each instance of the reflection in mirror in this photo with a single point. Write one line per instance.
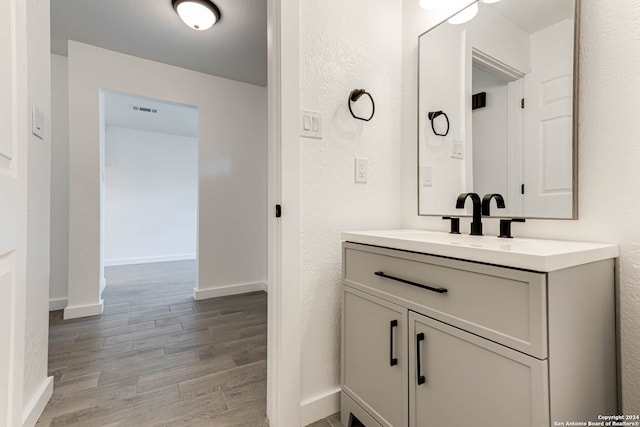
(505, 83)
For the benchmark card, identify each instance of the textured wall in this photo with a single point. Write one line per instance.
(343, 46)
(609, 155)
(38, 216)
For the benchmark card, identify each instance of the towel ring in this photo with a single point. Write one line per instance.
(354, 96)
(432, 115)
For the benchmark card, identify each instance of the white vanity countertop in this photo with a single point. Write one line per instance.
(529, 254)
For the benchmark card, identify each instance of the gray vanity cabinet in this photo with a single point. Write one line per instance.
(375, 355)
(463, 377)
(474, 344)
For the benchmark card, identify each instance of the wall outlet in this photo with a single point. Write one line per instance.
(361, 170)
(37, 122)
(426, 176)
(456, 149)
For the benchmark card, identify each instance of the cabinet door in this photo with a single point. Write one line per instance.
(374, 359)
(457, 378)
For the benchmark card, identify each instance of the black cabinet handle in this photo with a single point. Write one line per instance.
(421, 378)
(409, 282)
(392, 360)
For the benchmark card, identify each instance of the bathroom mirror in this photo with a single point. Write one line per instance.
(497, 109)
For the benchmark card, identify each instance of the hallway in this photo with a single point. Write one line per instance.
(157, 357)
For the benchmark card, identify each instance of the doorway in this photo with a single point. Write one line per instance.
(149, 188)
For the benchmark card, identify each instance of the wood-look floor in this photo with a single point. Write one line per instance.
(156, 357)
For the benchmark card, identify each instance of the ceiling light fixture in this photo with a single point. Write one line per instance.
(197, 14)
(465, 15)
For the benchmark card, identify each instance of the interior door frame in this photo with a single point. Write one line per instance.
(283, 336)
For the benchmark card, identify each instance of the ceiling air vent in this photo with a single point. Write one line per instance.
(144, 109)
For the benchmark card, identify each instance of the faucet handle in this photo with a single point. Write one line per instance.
(505, 227)
(455, 224)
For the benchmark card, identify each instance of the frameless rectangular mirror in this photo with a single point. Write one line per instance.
(496, 113)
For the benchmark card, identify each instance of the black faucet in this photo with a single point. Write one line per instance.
(486, 201)
(476, 224)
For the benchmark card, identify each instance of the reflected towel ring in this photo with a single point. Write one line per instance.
(354, 96)
(432, 115)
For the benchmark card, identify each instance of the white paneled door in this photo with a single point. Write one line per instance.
(548, 146)
(13, 207)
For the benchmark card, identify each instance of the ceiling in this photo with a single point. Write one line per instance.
(165, 117)
(234, 48)
(533, 16)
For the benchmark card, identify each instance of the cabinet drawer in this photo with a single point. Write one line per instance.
(505, 305)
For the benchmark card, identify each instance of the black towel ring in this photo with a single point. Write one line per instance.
(354, 96)
(432, 115)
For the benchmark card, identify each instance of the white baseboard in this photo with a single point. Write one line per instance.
(33, 409)
(74, 312)
(56, 304)
(147, 260)
(319, 407)
(223, 291)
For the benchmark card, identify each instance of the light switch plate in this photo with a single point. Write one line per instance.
(37, 123)
(311, 124)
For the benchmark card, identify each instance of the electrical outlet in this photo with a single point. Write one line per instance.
(456, 149)
(361, 170)
(426, 176)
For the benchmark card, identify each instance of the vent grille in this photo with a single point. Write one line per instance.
(144, 109)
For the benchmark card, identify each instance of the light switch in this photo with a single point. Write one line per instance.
(311, 124)
(37, 123)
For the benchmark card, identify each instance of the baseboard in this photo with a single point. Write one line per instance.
(148, 260)
(36, 405)
(74, 312)
(56, 304)
(319, 407)
(223, 291)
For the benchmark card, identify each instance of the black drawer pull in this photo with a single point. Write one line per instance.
(421, 378)
(409, 282)
(392, 360)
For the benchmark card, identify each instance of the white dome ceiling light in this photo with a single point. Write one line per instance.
(465, 15)
(197, 14)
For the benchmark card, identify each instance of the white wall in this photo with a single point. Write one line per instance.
(343, 46)
(59, 277)
(232, 170)
(608, 157)
(151, 192)
(490, 142)
(552, 44)
(37, 386)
